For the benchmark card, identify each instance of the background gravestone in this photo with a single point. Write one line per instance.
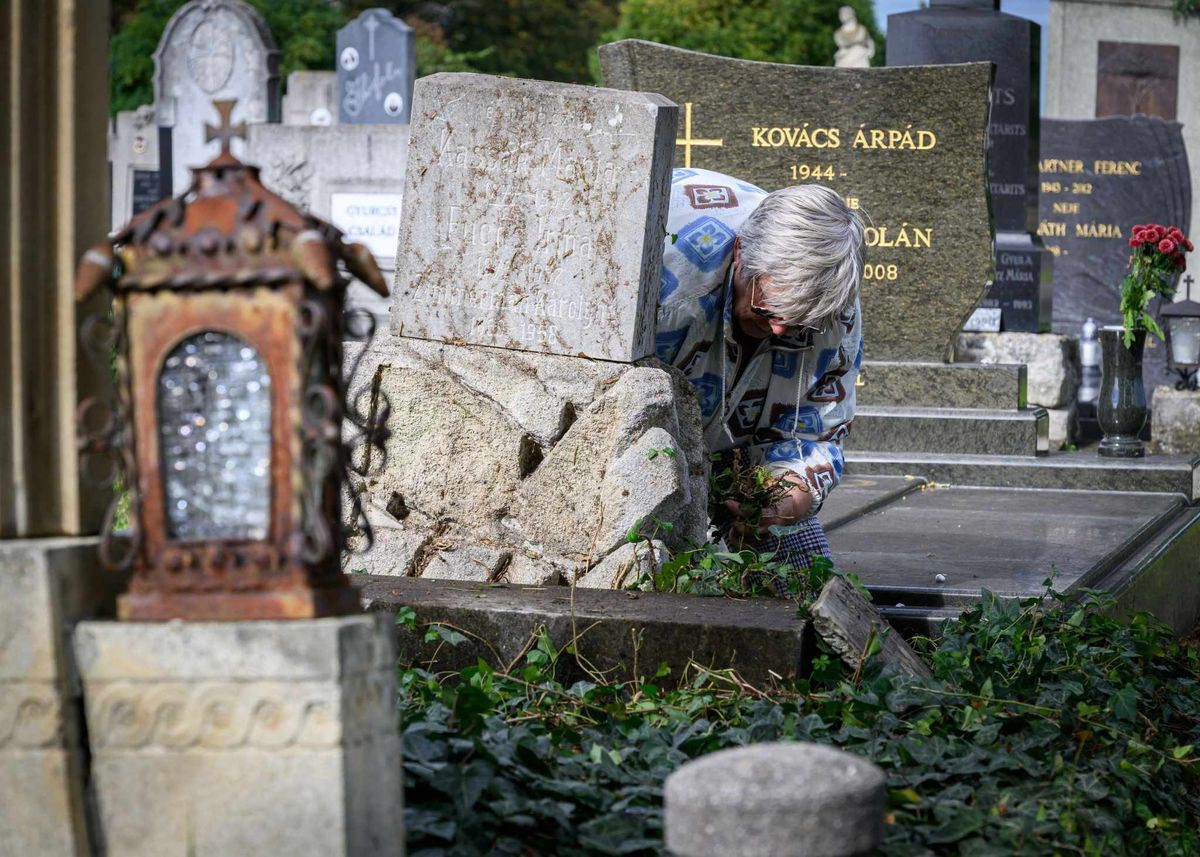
(540, 216)
(350, 175)
(1099, 177)
(133, 162)
(376, 67)
(902, 144)
(961, 31)
(311, 98)
(210, 49)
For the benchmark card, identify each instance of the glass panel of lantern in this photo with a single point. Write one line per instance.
(214, 418)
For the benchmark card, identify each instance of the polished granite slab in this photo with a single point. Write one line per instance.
(1082, 470)
(972, 431)
(883, 383)
(858, 495)
(927, 552)
(942, 545)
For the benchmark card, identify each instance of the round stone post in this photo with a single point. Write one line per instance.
(775, 800)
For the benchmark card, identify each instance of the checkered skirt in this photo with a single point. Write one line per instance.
(798, 544)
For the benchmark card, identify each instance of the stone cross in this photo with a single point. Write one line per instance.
(226, 131)
(1187, 286)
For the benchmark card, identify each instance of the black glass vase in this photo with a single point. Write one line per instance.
(1121, 407)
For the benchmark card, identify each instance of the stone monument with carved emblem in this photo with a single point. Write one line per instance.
(210, 50)
(376, 67)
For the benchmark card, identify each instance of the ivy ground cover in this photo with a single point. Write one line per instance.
(1047, 729)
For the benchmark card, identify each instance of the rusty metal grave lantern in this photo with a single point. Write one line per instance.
(227, 327)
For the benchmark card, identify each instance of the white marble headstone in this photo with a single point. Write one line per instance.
(310, 98)
(133, 159)
(534, 216)
(212, 49)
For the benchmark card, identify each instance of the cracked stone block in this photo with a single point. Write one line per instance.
(470, 562)
(536, 570)
(470, 466)
(625, 565)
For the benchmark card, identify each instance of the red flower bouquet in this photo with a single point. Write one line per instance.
(1157, 260)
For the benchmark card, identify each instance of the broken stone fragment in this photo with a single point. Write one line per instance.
(848, 623)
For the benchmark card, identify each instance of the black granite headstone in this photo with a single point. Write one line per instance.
(147, 190)
(905, 145)
(963, 31)
(376, 67)
(1100, 177)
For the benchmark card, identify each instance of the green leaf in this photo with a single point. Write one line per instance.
(1182, 752)
(407, 617)
(1123, 703)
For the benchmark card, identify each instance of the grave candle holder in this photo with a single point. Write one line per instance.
(227, 327)
(1181, 325)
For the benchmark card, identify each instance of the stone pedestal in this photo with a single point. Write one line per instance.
(785, 800)
(1176, 422)
(45, 586)
(243, 738)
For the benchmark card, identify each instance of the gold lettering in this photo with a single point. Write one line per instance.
(1066, 208)
(1056, 165)
(1052, 229)
(1117, 168)
(1097, 230)
(905, 236)
(796, 138)
(896, 139)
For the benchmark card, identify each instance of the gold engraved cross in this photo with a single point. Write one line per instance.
(687, 141)
(226, 131)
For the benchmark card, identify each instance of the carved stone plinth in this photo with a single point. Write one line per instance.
(244, 738)
(45, 586)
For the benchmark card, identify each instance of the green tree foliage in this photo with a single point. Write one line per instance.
(787, 31)
(539, 39)
(305, 30)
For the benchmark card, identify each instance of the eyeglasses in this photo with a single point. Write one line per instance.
(763, 312)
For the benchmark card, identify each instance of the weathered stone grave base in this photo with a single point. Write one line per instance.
(966, 408)
(926, 552)
(46, 585)
(1176, 422)
(620, 635)
(1081, 470)
(526, 468)
(1052, 363)
(221, 739)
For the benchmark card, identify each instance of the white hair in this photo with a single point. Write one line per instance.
(806, 247)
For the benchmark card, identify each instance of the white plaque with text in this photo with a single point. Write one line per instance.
(372, 219)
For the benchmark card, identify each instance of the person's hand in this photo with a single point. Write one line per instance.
(789, 510)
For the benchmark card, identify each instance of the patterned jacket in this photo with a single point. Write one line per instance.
(793, 401)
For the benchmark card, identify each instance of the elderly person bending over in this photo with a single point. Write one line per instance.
(759, 308)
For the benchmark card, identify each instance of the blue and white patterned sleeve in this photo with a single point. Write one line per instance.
(823, 414)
